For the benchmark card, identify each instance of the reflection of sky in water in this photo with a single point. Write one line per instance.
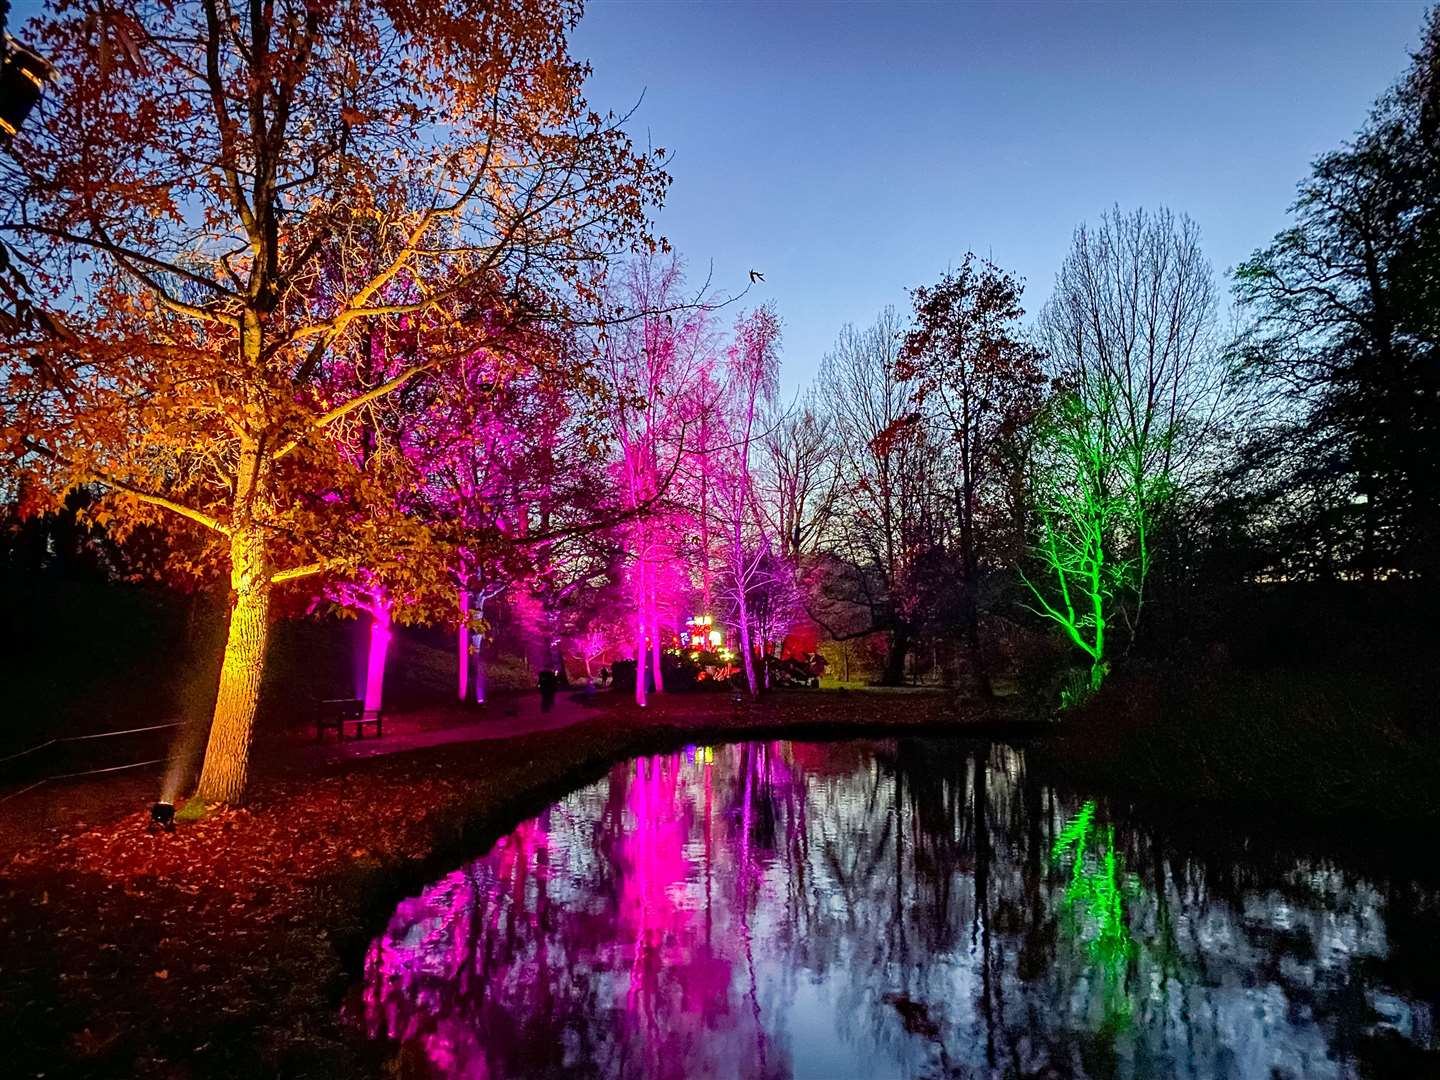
(882, 910)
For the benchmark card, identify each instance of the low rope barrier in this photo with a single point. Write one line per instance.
(88, 772)
(96, 735)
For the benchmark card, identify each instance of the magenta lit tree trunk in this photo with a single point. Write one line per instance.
(472, 657)
(478, 673)
(745, 645)
(477, 668)
(462, 658)
(655, 643)
(379, 650)
(640, 695)
(641, 690)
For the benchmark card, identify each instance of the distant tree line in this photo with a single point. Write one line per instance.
(1112, 467)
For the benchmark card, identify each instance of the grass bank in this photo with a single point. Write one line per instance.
(225, 948)
(1343, 749)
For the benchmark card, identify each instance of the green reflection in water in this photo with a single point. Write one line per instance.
(1094, 906)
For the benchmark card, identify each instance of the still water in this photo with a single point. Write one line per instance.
(912, 909)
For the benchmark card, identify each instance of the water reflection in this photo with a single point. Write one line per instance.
(910, 909)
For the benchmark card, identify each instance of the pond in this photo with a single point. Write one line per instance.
(885, 909)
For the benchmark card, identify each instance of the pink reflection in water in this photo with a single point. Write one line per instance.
(600, 950)
(883, 910)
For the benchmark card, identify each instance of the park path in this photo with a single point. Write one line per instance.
(507, 717)
(67, 805)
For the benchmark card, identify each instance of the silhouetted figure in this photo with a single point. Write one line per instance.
(548, 682)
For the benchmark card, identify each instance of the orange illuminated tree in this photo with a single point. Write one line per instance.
(218, 198)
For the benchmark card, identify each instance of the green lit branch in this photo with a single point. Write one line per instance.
(1094, 503)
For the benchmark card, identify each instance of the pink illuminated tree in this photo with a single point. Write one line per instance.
(510, 478)
(655, 365)
(744, 545)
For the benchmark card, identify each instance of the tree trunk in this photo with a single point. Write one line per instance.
(462, 658)
(745, 647)
(375, 661)
(477, 668)
(970, 614)
(1098, 671)
(641, 697)
(894, 674)
(232, 727)
(655, 652)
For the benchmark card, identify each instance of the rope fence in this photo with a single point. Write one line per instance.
(64, 739)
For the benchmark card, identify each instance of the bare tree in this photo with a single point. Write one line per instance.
(885, 521)
(1130, 332)
(978, 382)
(752, 366)
(800, 479)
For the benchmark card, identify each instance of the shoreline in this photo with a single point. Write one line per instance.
(228, 947)
(131, 953)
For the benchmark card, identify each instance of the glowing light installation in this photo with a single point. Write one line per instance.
(703, 633)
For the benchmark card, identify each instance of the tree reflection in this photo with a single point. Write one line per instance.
(1094, 908)
(884, 909)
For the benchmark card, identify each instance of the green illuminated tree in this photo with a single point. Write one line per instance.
(1084, 508)
(1130, 332)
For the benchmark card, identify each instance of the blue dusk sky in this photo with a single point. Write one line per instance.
(851, 151)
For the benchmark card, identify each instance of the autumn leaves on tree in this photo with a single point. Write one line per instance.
(403, 186)
(367, 299)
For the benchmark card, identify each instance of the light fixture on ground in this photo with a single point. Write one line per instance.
(163, 814)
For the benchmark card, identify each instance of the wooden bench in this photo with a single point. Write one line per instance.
(337, 712)
(370, 716)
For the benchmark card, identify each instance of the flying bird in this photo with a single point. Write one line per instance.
(755, 276)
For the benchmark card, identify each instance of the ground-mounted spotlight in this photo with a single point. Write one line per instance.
(163, 815)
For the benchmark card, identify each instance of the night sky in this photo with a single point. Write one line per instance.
(851, 151)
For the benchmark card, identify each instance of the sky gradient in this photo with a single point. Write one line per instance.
(853, 151)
